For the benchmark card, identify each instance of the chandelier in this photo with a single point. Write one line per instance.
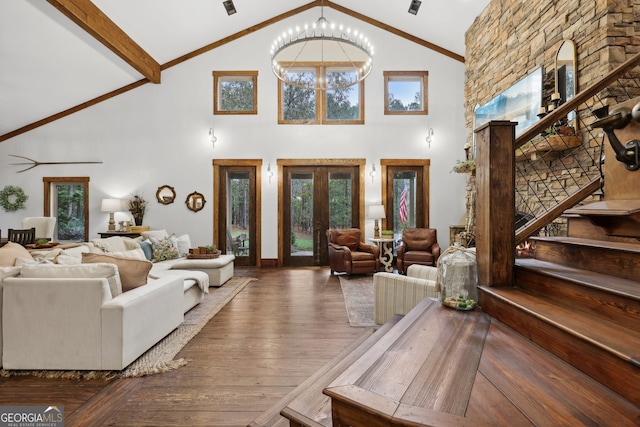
(347, 51)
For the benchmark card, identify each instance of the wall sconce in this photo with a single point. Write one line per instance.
(429, 137)
(373, 172)
(269, 172)
(212, 137)
(112, 206)
(376, 212)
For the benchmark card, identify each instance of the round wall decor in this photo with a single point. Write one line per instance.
(12, 198)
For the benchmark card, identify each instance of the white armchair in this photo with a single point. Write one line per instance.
(44, 226)
(396, 294)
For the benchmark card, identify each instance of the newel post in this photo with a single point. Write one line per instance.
(495, 203)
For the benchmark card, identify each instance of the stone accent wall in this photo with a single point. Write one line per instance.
(511, 38)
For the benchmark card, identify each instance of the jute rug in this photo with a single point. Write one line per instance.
(358, 297)
(159, 358)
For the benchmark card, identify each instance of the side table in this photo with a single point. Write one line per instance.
(386, 252)
(106, 234)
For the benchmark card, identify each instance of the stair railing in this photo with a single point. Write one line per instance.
(549, 182)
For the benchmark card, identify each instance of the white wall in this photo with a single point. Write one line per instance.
(158, 134)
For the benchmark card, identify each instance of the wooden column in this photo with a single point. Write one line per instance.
(495, 203)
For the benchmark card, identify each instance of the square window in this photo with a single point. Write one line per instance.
(235, 92)
(405, 92)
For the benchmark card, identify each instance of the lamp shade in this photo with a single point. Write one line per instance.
(376, 212)
(111, 205)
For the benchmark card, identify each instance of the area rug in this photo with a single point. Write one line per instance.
(159, 358)
(358, 298)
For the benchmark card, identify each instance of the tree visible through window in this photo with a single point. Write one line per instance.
(405, 92)
(235, 92)
(298, 105)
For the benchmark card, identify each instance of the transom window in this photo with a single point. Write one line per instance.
(405, 92)
(297, 105)
(235, 92)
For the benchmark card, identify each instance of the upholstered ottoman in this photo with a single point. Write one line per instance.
(219, 269)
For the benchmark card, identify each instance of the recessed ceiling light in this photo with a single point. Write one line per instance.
(229, 6)
(415, 5)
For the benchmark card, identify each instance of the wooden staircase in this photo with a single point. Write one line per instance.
(579, 298)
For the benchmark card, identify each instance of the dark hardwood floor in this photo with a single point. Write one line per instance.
(278, 332)
(273, 335)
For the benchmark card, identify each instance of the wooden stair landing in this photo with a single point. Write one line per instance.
(418, 373)
(616, 217)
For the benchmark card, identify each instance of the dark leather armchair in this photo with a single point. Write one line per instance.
(347, 254)
(419, 246)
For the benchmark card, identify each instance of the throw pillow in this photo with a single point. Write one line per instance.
(184, 243)
(102, 270)
(164, 249)
(147, 249)
(133, 272)
(156, 234)
(12, 251)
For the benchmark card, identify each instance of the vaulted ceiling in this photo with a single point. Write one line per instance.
(56, 55)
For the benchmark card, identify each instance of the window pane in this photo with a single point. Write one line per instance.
(68, 203)
(405, 94)
(404, 200)
(298, 103)
(238, 214)
(302, 214)
(340, 210)
(236, 94)
(343, 104)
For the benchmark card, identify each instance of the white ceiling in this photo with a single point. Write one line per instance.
(49, 64)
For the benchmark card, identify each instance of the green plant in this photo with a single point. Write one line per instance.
(465, 166)
(211, 248)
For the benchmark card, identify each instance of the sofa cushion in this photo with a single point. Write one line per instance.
(101, 270)
(12, 251)
(115, 244)
(184, 244)
(156, 234)
(133, 272)
(8, 272)
(164, 249)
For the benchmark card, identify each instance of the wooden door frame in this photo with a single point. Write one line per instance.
(361, 163)
(425, 164)
(257, 163)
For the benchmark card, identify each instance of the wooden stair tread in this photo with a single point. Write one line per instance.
(598, 244)
(546, 389)
(608, 208)
(397, 376)
(616, 285)
(616, 339)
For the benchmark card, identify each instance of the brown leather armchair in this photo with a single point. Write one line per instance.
(349, 255)
(419, 246)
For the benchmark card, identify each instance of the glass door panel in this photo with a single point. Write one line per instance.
(302, 214)
(68, 207)
(340, 199)
(239, 213)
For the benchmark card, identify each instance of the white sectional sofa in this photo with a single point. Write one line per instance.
(58, 313)
(76, 323)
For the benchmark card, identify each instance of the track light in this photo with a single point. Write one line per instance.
(415, 5)
(229, 6)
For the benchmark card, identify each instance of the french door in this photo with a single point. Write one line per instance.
(405, 194)
(237, 206)
(316, 198)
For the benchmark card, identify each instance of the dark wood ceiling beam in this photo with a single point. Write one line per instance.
(91, 19)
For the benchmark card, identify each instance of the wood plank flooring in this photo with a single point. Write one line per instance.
(277, 333)
(272, 336)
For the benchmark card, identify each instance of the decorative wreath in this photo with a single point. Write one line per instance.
(19, 195)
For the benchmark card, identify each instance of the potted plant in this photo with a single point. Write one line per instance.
(466, 166)
(137, 207)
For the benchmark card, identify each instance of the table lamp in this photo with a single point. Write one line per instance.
(376, 212)
(111, 206)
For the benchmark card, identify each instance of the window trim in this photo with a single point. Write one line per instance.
(321, 101)
(423, 75)
(220, 75)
